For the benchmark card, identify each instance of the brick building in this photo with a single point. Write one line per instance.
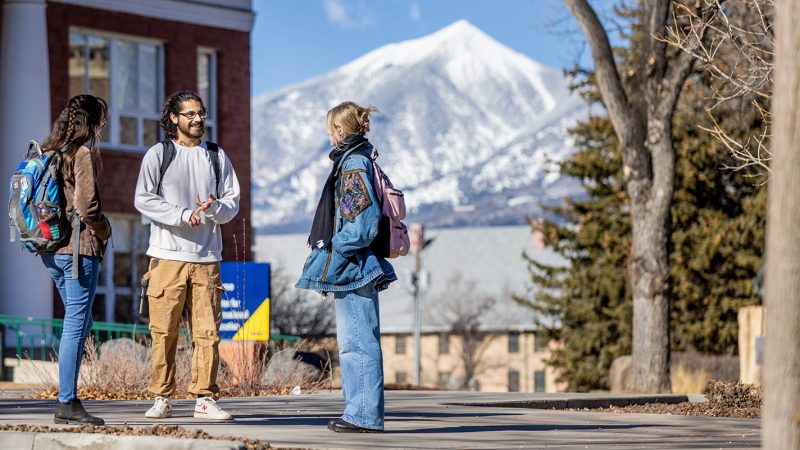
(133, 53)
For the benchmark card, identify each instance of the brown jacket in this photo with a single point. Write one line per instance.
(81, 193)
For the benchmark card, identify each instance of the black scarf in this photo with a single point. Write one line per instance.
(323, 226)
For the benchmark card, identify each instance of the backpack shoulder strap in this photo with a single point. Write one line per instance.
(167, 155)
(213, 153)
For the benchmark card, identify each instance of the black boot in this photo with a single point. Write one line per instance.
(342, 426)
(74, 414)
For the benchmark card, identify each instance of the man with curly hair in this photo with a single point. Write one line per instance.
(185, 249)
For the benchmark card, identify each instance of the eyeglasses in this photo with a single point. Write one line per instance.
(192, 114)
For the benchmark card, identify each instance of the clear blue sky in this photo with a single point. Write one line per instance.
(294, 40)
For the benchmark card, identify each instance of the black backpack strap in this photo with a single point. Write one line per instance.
(213, 154)
(166, 159)
(169, 155)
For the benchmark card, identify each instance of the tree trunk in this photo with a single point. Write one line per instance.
(782, 302)
(643, 124)
(650, 201)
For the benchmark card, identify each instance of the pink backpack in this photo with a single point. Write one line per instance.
(392, 239)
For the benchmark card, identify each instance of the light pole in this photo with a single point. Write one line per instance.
(418, 243)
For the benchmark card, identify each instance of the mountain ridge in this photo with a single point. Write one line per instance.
(468, 129)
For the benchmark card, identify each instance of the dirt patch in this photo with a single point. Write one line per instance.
(171, 431)
(725, 399)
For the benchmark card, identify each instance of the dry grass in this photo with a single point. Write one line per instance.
(688, 381)
(125, 373)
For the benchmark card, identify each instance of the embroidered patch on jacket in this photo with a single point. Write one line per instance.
(355, 197)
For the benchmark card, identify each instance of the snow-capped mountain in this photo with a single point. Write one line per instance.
(468, 128)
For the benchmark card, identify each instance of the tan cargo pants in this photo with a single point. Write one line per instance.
(171, 284)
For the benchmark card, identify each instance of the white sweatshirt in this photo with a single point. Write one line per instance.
(189, 174)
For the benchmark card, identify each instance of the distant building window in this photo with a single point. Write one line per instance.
(513, 342)
(207, 89)
(444, 343)
(539, 343)
(513, 381)
(128, 73)
(538, 381)
(444, 379)
(400, 345)
(400, 377)
(474, 385)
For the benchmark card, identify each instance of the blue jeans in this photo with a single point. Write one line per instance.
(78, 296)
(360, 358)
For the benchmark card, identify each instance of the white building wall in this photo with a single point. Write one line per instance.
(25, 286)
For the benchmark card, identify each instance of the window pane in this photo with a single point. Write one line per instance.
(125, 74)
(99, 64)
(101, 281)
(539, 343)
(99, 308)
(123, 309)
(444, 344)
(204, 80)
(513, 381)
(122, 269)
(209, 134)
(106, 132)
(539, 382)
(128, 130)
(400, 345)
(77, 64)
(513, 342)
(148, 100)
(150, 132)
(400, 377)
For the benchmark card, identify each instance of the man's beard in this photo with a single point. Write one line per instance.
(195, 133)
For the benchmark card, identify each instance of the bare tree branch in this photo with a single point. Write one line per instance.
(733, 41)
(613, 92)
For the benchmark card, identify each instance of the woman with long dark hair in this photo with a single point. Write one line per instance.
(76, 135)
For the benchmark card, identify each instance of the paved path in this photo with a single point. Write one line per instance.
(417, 419)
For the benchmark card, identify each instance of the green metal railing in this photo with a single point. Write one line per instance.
(34, 336)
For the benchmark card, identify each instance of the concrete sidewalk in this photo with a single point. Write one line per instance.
(423, 419)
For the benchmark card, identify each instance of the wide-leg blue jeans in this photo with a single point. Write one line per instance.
(360, 357)
(78, 296)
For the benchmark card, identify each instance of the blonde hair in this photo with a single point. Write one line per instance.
(350, 117)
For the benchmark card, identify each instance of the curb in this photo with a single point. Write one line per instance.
(71, 441)
(588, 403)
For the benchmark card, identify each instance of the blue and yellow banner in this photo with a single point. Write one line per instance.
(246, 301)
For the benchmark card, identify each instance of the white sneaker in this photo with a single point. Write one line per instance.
(207, 408)
(161, 409)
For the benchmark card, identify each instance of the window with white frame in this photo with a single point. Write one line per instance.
(400, 345)
(207, 89)
(129, 74)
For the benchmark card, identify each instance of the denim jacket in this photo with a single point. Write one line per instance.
(351, 264)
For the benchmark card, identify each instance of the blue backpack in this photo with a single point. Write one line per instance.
(36, 208)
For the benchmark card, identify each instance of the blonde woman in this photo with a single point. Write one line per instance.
(341, 262)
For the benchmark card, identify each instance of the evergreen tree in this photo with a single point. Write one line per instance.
(587, 303)
(718, 224)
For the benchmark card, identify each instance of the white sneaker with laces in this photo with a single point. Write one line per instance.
(161, 409)
(207, 408)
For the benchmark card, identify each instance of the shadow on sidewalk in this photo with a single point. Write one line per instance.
(494, 428)
(444, 415)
